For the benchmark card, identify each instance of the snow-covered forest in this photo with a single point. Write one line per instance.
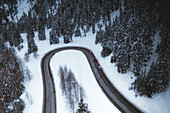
(137, 38)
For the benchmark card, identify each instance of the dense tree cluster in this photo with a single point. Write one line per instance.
(8, 9)
(11, 69)
(11, 79)
(13, 35)
(74, 16)
(128, 37)
(67, 17)
(70, 87)
(157, 79)
(8, 29)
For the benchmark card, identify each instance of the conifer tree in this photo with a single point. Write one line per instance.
(14, 36)
(77, 32)
(83, 107)
(99, 36)
(41, 30)
(17, 39)
(32, 47)
(93, 28)
(53, 37)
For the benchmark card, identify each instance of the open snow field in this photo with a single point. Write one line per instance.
(34, 88)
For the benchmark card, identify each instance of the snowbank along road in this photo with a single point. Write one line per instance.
(49, 96)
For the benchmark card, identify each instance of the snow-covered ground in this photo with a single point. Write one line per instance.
(34, 89)
(77, 62)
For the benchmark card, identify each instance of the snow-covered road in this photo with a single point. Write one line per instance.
(110, 91)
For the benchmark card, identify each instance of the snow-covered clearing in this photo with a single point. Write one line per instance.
(34, 88)
(77, 62)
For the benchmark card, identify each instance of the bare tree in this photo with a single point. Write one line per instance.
(62, 80)
(70, 87)
(35, 55)
(27, 74)
(26, 58)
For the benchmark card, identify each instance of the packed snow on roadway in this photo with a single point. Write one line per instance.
(97, 101)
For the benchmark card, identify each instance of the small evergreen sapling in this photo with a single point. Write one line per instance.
(83, 107)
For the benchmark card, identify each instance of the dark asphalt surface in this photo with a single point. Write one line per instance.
(49, 96)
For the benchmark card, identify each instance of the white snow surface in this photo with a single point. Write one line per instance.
(34, 88)
(23, 6)
(78, 63)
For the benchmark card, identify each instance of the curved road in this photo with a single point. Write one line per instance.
(49, 96)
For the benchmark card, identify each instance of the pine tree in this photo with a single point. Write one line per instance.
(41, 11)
(35, 22)
(41, 30)
(17, 39)
(107, 41)
(53, 37)
(77, 32)
(14, 36)
(21, 26)
(67, 39)
(93, 28)
(32, 47)
(99, 36)
(83, 107)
